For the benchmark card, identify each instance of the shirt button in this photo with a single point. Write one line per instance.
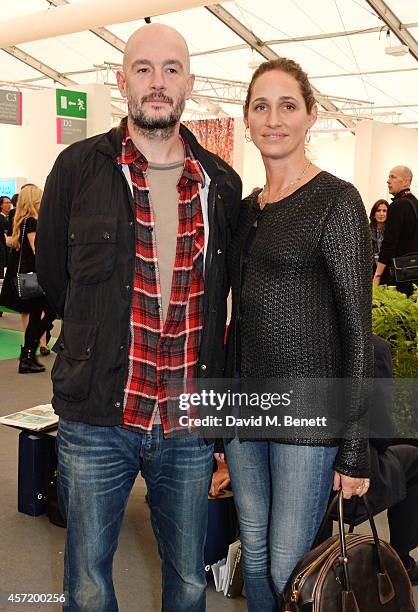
(131, 223)
(121, 347)
(62, 346)
(88, 350)
(127, 287)
(152, 267)
(157, 306)
(150, 229)
(117, 404)
(141, 160)
(219, 251)
(106, 235)
(72, 236)
(203, 366)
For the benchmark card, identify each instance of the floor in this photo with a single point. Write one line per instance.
(31, 549)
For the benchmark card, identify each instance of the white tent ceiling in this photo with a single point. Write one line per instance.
(340, 43)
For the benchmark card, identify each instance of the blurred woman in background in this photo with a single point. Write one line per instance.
(378, 216)
(22, 241)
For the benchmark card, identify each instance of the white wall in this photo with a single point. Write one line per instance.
(380, 147)
(30, 150)
(335, 156)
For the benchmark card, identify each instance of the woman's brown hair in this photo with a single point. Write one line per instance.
(375, 207)
(288, 66)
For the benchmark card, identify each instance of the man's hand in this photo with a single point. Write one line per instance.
(220, 480)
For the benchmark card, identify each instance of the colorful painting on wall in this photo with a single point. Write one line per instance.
(217, 135)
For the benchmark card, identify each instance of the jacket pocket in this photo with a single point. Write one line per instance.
(71, 374)
(91, 248)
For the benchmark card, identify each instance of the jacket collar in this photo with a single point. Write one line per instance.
(402, 194)
(111, 144)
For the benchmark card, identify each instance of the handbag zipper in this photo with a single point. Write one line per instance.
(300, 578)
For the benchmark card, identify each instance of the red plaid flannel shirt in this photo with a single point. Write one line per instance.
(160, 353)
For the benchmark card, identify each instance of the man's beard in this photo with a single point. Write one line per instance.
(155, 127)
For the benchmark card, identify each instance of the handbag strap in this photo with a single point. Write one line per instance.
(414, 207)
(338, 497)
(21, 247)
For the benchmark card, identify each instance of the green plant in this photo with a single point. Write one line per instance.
(395, 319)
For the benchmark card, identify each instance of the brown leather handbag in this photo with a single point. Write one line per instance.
(349, 573)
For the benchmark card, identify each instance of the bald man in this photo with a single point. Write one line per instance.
(401, 227)
(131, 246)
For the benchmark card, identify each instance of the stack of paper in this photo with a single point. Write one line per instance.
(226, 576)
(36, 418)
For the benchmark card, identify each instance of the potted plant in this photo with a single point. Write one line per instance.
(395, 319)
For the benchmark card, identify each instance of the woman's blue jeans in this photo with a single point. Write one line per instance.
(281, 493)
(97, 467)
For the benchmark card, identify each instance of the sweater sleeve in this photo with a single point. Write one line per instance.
(347, 252)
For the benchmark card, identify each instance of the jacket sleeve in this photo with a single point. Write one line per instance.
(346, 247)
(51, 235)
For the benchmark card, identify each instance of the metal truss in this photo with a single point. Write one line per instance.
(47, 71)
(265, 51)
(395, 25)
(102, 33)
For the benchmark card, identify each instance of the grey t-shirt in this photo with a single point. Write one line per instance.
(164, 200)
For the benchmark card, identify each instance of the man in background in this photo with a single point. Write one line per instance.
(401, 228)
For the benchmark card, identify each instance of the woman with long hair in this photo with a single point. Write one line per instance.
(301, 287)
(378, 216)
(22, 241)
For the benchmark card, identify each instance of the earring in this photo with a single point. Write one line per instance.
(247, 135)
(308, 135)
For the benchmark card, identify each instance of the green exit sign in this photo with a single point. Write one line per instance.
(71, 103)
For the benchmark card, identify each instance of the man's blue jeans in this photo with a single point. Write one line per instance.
(281, 493)
(97, 467)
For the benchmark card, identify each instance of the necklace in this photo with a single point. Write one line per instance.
(263, 198)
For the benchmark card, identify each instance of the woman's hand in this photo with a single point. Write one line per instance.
(219, 457)
(350, 486)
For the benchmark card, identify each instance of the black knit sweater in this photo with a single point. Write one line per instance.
(302, 297)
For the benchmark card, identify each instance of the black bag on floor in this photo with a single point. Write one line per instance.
(349, 573)
(34, 453)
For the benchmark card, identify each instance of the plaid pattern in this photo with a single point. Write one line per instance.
(160, 353)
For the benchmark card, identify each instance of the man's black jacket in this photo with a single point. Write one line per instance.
(401, 228)
(85, 257)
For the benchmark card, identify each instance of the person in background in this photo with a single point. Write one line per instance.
(401, 228)
(378, 216)
(22, 241)
(5, 205)
(394, 470)
(300, 269)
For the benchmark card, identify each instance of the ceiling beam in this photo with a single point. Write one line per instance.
(395, 25)
(308, 38)
(80, 16)
(49, 72)
(265, 51)
(101, 32)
